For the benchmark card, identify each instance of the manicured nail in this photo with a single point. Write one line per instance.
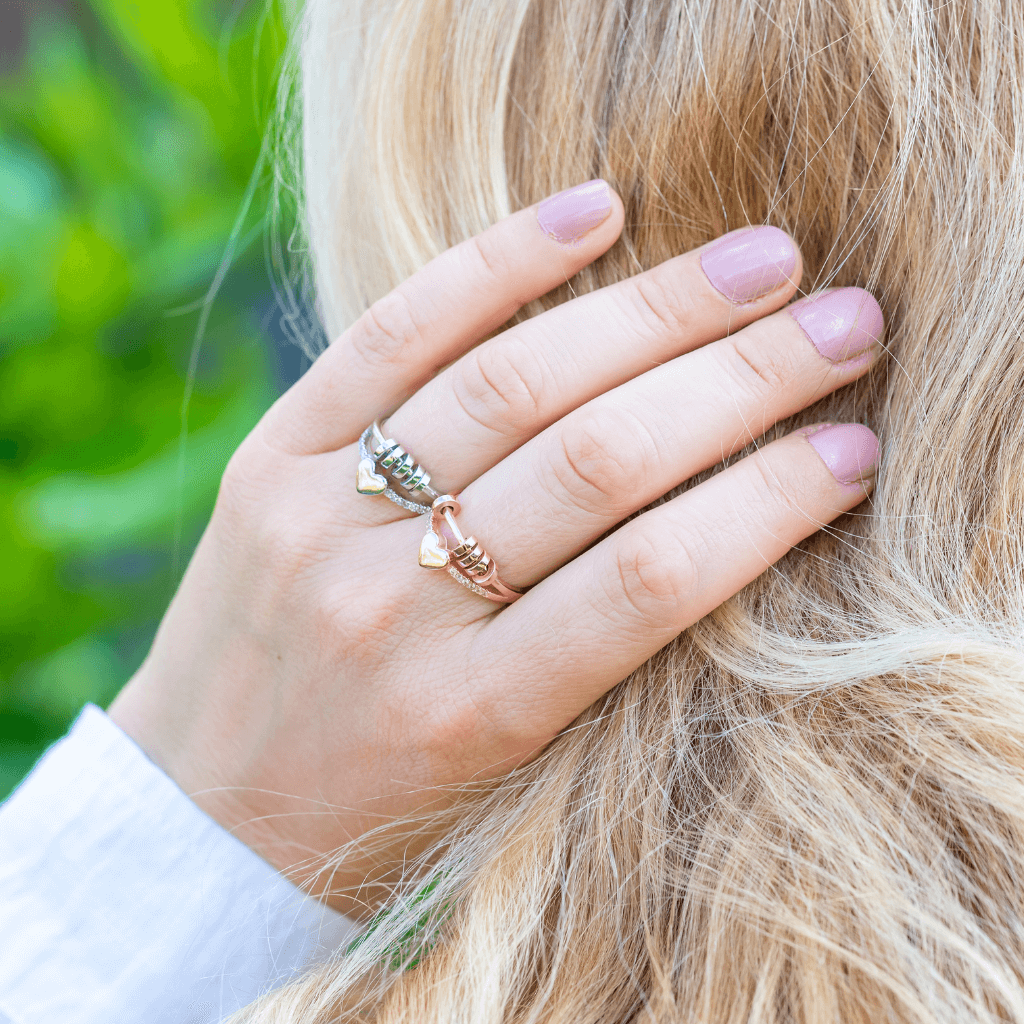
(746, 264)
(569, 215)
(848, 449)
(841, 323)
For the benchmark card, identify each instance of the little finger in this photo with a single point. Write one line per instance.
(586, 627)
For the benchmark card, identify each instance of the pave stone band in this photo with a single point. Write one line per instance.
(467, 562)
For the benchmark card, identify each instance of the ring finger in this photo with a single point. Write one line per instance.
(626, 448)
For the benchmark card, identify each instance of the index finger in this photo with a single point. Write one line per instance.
(444, 309)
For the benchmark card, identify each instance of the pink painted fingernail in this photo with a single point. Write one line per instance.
(848, 449)
(569, 215)
(746, 264)
(840, 324)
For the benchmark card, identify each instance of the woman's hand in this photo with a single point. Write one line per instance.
(311, 681)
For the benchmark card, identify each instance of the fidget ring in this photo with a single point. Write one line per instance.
(467, 562)
(400, 468)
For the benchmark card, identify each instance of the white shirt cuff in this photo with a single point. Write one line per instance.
(121, 901)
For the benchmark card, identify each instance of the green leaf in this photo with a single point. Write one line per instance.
(75, 512)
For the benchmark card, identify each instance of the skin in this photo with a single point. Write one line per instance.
(310, 681)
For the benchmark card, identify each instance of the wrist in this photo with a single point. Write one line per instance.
(252, 814)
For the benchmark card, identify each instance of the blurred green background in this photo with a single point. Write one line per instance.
(129, 132)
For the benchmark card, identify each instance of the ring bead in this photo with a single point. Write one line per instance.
(383, 462)
(467, 562)
(387, 463)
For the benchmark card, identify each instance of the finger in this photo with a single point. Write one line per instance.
(439, 312)
(582, 630)
(510, 388)
(628, 447)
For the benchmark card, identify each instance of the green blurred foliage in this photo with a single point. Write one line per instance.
(129, 132)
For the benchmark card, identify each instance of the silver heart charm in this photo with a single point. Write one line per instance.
(368, 481)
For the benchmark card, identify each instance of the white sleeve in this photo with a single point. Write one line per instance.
(123, 903)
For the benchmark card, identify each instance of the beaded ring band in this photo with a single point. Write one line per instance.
(467, 562)
(400, 466)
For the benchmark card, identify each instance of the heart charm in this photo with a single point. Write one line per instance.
(432, 554)
(367, 481)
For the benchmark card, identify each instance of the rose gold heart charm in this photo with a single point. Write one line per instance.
(433, 552)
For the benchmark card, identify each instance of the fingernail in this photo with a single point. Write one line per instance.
(840, 324)
(848, 449)
(746, 264)
(569, 215)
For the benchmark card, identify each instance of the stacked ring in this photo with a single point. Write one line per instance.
(467, 562)
(400, 466)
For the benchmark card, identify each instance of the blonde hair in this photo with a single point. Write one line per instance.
(810, 806)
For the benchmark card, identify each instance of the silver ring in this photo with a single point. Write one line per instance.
(399, 468)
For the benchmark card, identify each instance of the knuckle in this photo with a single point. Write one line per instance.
(488, 250)
(286, 546)
(386, 332)
(501, 386)
(661, 303)
(601, 466)
(252, 476)
(771, 494)
(363, 624)
(447, 726)
(453, 726)
(654, 578)
(461, 723)
(236, 484)
(257, 514)
(754, 365)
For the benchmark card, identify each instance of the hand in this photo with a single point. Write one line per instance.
(311, 681)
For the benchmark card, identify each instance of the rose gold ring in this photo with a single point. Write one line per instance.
(467, 562)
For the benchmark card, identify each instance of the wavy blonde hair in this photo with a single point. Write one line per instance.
(809, 807)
